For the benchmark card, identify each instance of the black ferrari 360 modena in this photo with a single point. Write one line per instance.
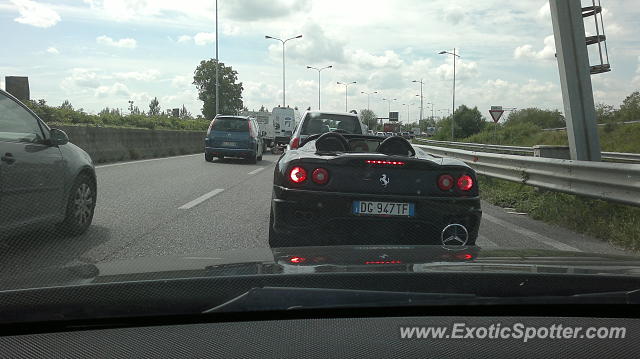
(357, 189)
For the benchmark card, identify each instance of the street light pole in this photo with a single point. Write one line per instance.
(368, 98)
(389, 100)
(346, 93)
(421, 96)
(283, 59)
(430, 103)
(217, 66)
(454, 88)
(319, 70)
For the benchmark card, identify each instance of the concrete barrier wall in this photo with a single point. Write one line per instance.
(119, 144)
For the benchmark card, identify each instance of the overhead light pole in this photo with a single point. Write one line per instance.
(389, 100)
(217, 66)
(283, 73)
(408, 106)
(421, 95)
(453, 108)
(430, 103)
(346, 93)
(368, 98)
(319, 70)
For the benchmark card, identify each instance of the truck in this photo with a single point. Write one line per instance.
(265, 123)
(393, 127)
(416, 131)
(285, 120)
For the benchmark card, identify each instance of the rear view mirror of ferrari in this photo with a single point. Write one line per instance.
(338, 188)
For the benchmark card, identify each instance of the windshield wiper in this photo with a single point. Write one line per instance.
(279, 298)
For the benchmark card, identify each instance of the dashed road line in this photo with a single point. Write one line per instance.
(255, 171)
(531, 234)
(201, 199)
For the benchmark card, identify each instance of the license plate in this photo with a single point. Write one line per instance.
(369, 208)
(229, 144)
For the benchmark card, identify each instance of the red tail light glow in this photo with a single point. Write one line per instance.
(297, 260)
(465, 182)
(297, 175)
(320, 176)
(383, 262)
(380, 162)
(445, 182)
(295, 143)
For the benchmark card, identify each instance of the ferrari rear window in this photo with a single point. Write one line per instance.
(321, 123)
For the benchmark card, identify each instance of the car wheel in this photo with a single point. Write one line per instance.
(208, 157)
(277, 239)
(80, 206)
(253, 159)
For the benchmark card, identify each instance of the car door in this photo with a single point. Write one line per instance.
(259, 137)
(31, 171)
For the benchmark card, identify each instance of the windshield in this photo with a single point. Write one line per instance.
(230, 125)
(143, 140)
(321, 123)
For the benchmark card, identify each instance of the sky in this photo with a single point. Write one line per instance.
(104, 53)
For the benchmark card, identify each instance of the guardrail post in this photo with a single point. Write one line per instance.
(575, 79)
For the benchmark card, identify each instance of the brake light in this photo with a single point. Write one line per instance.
(252, 130)
(209, 129)
(297, 175)
(297, 260)
(465, 182)
(380, 162)
(445, 182)
(295, 143)
(320, 176)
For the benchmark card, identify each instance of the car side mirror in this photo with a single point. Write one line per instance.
(58, 137)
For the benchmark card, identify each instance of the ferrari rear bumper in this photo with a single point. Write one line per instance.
(321, 218)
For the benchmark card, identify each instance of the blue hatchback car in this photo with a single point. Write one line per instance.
(234, 136)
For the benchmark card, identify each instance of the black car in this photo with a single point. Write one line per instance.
(350, 189)
(43, 177)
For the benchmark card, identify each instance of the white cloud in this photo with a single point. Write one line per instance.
(204, 38)
(252, 10)
(126, 43)
(527, 52)
(366, 60)
(53, 50)
(184, 38)
(454, 14)
(81, 78)
(464, 70)
(35, 14)
(147, 75)
(117, 89)
(544, 13)
(316, 46)
(181, 81)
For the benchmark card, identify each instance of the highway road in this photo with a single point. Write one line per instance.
(184, 205)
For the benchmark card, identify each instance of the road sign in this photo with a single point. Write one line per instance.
(393, 116)
(496, 114)
(496, 108)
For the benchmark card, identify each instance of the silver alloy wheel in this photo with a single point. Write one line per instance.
(83, 204)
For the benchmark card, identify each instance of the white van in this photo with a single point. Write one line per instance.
(284, 121)
(266, 125)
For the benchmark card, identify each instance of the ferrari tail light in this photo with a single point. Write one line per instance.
(297, 174)
(320, 176)
(445, 182)
(295, 143)
(465, 183)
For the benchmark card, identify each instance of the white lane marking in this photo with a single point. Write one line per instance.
(201, 199)
(255, 171)
(485, 242)
(531, 234)
(149, 160)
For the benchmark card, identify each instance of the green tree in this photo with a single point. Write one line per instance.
(468, 121)
(537, 117)
(630, 108)
(369, 118)
(230, 92)
(154, 107)
(185, 114)
(66, 105)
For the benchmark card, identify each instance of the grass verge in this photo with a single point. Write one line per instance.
(615, 223)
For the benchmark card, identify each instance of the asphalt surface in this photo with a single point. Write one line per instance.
(184, 205)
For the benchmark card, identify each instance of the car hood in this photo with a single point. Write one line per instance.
(332, 259)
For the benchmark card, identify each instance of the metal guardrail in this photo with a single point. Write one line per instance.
(598, 124)
(616, 182)
(527, 151)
